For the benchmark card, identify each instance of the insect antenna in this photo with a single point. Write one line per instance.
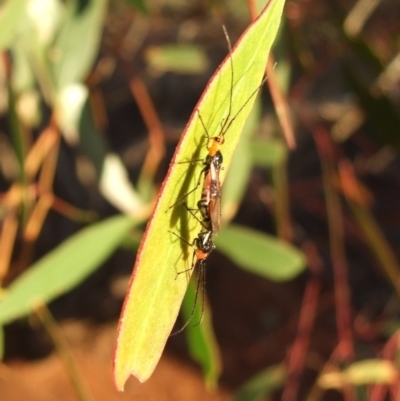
(200, 281)
(228, 40)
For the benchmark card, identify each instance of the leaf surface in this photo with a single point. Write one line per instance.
(262, 384)
(64, 268)
(156, 291)
(202, 344)
(83, 26)
(260, 253)
(11, 13)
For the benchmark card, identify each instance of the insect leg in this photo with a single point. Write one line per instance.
(200, 281)
(183, 197)
(194, 254)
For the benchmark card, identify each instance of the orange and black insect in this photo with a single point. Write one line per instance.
(202, 246)
(209, 204)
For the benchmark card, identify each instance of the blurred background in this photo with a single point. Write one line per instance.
(94, 96)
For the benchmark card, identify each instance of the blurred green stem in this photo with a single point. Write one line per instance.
(64, 352)
(378, 243)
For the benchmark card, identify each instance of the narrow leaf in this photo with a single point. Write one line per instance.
(268, 153)
(11, 13)
(260, 253)
(263, 383)
(64, 268)
(377, 242)
(368, 371)
(139, 5)
(155, 293)
(179, 59)
(78, 41)
(201, 338)
(239, 172)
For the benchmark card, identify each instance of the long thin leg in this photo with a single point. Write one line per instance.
(192, 266)
(200, 280)
(183, 197)
(181, 238)
(194, 215)
(194, 254)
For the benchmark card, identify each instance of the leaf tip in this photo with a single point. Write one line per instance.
(120, 375)
(122, 369)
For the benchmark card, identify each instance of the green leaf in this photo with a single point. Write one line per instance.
(11, 13)
(262, 384)
(239, 172)
(377, 243)
(139, 5)
(361, 373)
(19, 140)
(201, 338)
(177, 58)
(22, 77)
(260, 253)
(64, 268)
(268, 153)
(155, 294)
(379, 371)
(77, 44)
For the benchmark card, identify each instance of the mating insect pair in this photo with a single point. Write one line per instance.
(209, 204)
(209, 207)
(210, 212)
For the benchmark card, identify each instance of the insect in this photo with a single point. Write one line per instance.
(202, 246)
(209, 205)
